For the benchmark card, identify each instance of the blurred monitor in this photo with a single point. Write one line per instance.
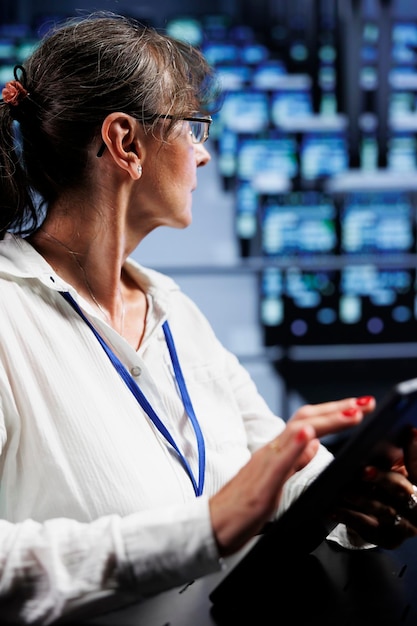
(323, 154)
(401, 104)
(377, 223)
(268, 74)
(253, 53)
(233, 76)
(402, 152)
(267, 162)
(359, 304)
(264, 165)
(298, 306)
(185, 28)
(288, 104)
(217, 52)
(299, 223)
(245, 111)
(345, 271)
(377, 303)
(404, 43)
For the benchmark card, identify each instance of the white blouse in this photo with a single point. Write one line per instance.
(77, 449)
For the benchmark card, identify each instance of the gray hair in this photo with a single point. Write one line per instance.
(80, 72)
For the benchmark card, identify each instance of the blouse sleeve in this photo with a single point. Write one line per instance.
(53, 569)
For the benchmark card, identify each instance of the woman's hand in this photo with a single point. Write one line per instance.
(381, 506)
(244, 505)
(333, 417)
(247, 502)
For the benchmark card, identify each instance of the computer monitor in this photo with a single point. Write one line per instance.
(377, 303)
(217, 52)
(268, 75)
(245, 111)
(299, 306)
(267, 162)
(377, 223)
(299, 223)
(233, 76)
(323, 154)
(185, 28)
(287, 104)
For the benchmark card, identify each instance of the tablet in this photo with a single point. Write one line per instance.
(305, 524)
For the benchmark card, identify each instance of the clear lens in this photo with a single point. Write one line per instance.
(199, 131)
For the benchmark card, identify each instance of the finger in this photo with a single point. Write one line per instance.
(243, 506)
(390, 489)
(336, 416)
(295, 446)
(388, 532)
(325, 409)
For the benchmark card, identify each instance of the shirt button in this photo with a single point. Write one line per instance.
(136, 371)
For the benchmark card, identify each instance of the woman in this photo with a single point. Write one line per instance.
(135, 450)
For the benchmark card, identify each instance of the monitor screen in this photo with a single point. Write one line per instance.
(233, 76)
(401, 152)
(217, 52)
(287, 104)
(253, 53)
(323, 154)
(377, 223)
(299, 223)
(186, 28)
(299, 306)
(359, 304)
(268, 162)
(377, 304)
(404, 43)
(345, 269)
(245, 111)
(269, 74)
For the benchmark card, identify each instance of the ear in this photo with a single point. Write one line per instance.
(119, 132)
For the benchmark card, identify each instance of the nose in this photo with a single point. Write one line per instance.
(203, 156)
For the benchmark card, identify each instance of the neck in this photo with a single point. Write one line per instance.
(77, 267)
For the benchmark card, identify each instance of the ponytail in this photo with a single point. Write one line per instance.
(17, 209)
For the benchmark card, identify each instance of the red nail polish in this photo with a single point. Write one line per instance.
(301, 436)
(363, 400)
(349, 412)
(306, 433)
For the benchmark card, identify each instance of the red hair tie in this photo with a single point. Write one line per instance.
(13, 92)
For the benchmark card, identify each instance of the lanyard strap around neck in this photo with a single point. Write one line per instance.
(147, 407)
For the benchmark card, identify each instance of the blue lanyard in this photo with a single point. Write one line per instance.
(146, 406)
